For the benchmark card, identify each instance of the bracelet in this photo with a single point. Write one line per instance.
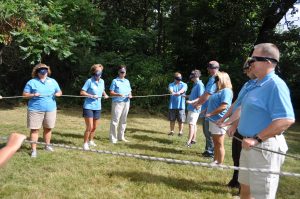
(259, 140)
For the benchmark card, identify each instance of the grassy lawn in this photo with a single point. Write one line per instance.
(75, 174)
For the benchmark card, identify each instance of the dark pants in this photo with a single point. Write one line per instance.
(236, 153)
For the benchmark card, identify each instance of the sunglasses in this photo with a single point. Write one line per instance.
(253, 59)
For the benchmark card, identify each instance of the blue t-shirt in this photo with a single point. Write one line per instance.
(177, 102)
(211, 88)
(121, 86)
(267, 101)
(245, 89)
(223, 96)
(46, 102)
(93, 87)
(197, 91)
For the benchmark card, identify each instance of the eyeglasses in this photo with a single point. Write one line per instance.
(253, 59)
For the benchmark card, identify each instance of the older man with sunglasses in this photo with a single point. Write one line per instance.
(266, 112)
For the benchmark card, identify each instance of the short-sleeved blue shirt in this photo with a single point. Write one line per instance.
(177, 102)
(223, 96)
(46, 102)
(244, 90)
(121, 86)
(93, 87)
(197, 91)
(211, 88)
(267, 101)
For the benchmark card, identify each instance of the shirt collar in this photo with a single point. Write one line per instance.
(267, 78)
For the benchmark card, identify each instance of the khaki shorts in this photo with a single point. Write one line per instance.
(37, 119)
(192, 117)
(215, 130)
(263, 185)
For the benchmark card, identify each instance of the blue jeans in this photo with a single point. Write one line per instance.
(209, 145)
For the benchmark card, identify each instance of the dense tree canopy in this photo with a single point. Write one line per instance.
(154, 38)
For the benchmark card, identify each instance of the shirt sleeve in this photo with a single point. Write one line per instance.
(211, 87)
(129, 85)
(280, 105)
(185, 87)
(113, 86)
(57, 88)
(86, 85)
(27, 88)
(226, 96)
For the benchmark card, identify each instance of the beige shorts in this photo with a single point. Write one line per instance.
(192, 117)
(263, 185)
(37, 119)
(215, 130)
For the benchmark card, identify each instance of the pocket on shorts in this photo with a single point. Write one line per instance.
(270, 145)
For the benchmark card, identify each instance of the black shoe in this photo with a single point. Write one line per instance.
(193, 142)
(233, 184)
(207, 155)
(171, 133)
(180, 134)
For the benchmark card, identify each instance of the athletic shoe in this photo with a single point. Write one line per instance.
(233, 184)
(49, 148)
(193, 142)
(33, 153)
(180, 134)
(124, 140)
(207, 155)
(92, 143)
(188, 144)
(86, 146)
(171, 133)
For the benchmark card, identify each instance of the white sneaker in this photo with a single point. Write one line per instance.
(33, 153)
(49, 148)
(86, 146)
(92, 143)
(124, 140)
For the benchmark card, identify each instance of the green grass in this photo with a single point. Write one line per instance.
(75, 174)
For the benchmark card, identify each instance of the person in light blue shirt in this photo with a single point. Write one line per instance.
(94, 90)
(213, 67)
(193, 113)
(177, 103)
(120, 89)
(42, 91)
(266, 112)
(234, 114)
(218, 105)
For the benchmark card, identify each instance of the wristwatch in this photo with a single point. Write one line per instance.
(258, 139)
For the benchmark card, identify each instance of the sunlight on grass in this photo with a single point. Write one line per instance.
(76, 174)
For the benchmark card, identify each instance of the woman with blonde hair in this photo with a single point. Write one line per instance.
(94, 89)
(218, 105)
(41, 90)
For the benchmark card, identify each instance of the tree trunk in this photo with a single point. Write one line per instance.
(273, 16)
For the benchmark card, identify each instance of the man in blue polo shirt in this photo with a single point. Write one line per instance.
(177, 103)
(266, 112)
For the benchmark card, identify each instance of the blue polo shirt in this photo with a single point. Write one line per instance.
(211, 88)
(223, 96)
(267, 101)
(93, 87)
(244, 90)
(121, 86)
(177, 102)
(197, 91)
(46, 102)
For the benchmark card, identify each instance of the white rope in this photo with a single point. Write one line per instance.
(168, 160)
(80, 96)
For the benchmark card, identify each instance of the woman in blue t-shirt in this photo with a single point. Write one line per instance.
(94, 89)
(218, 105)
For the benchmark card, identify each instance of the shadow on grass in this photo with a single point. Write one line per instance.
(147, 138)
(69, 135)
(154, 148)
(133, 130)
(181, 184)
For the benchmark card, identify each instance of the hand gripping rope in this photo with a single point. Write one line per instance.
(168, 160)
(259, 148)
